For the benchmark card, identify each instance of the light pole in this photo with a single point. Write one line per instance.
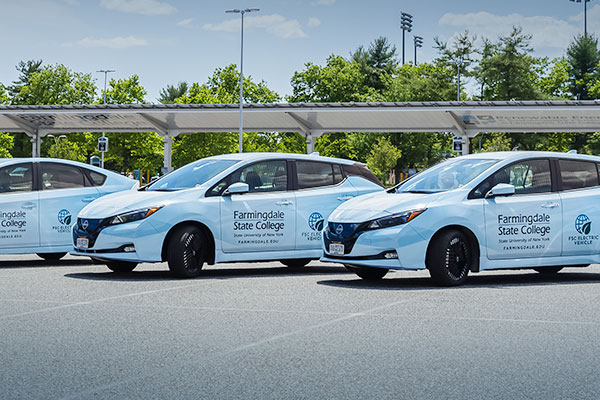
(56, 141)
(418, 40)
(459, 61)
(105, 71)
(242, 12)
(405, 25)
(584, 14)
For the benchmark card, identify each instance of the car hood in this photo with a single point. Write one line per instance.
(118, 203)
(379, 204)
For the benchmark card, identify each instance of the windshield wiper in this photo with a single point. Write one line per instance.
(419, 191)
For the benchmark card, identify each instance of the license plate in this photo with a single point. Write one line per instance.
(336, 249)
(83, 243)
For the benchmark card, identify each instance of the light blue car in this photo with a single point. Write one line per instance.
(228, 208)
(484, 211)
(40, 198)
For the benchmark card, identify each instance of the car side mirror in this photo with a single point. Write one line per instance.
(237, 188)
(501, 189)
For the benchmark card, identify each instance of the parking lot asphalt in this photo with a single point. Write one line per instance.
(74, 330)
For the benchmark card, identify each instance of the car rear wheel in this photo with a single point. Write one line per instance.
(296, 263)
(449, 258)
(187, 251)
(368, 273)
(51, 256)
(121, 267)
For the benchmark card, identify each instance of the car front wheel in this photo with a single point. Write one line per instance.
(368, 273)
(449, 258)
(187, 251)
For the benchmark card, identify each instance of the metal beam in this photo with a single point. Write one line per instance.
(160, 126)
(458, 124)
(304, 125)
(28, 128)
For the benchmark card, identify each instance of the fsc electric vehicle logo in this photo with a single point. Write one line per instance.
(315, 221)
(64, 218)
(583, 226)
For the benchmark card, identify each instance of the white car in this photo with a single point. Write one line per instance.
(233, 207)
(473, 213)
(40, 198)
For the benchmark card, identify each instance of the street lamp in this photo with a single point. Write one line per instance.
(242, 12)
(459, 61)
(56, 141)
(418, 40)
(406, 25)
(105, 71)
(584, 14)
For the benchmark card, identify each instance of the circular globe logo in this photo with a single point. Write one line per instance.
(64, 217)
(315, 221)
(583, 224)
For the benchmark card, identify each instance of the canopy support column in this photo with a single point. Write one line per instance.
(168, 151)
(310, 140)
(36, 143)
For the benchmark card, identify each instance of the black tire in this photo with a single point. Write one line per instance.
(449, 258)
(296, 263)
(187, 251)
(368, 273)
(52, 256)
(121, 267)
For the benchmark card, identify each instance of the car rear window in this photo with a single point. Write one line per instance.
(357, 169)
(96, 178)
(578, 174)
(314, 174)
(61, 176)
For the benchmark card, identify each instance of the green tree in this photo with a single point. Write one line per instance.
(65, 149)
(583, 58)
(169, 94)
(425, 82)
(555, 82)
(3, 95)
(377, 61)
(457, 57)
(508, 69)
(496, 141)
(26, 70)
(223, 88)
(129, 151)
(6, 144)
(383, 158)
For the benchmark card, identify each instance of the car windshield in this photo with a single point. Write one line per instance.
(448, 175)
(191, 175)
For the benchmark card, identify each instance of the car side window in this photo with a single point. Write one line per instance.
(337, 174)
(530, 176)
(314, 174)
(96, 178)
(16, 178)
(266, 176)
(61, 176)
(578, 174)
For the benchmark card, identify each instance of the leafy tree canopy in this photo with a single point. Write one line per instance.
(170, 93)
(583, 58)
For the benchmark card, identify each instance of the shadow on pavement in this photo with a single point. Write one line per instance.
(42, 263)
(246, 272)
(499, 281)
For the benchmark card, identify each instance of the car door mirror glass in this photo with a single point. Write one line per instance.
(237, 188)
(501, 189)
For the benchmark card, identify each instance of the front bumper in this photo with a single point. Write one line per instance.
(369, 248)
(115, 242)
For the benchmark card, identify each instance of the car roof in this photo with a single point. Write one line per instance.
(57, 160)
(517, 155)
(267, 156)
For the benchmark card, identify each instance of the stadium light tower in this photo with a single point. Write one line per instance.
(406, 21)
(418, 44)
(242, 12)
(459, 62)
(584, 14)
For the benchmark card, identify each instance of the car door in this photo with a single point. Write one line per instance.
(19, 207)
(64, 192)
(264, 218)
(581, 208)
(321, 189)
(528, 223)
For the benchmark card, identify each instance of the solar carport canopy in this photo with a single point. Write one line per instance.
(465, 119)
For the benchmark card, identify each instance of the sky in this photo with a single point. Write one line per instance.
(167, 41)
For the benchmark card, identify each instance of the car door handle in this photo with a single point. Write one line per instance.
(285, 203)
(344, 198)
(88, 199)
(550, 205)
(28, 206)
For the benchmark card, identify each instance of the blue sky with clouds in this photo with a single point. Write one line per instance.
(165, 41)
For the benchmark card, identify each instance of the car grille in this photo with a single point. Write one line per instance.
(94, 226)
(347, 234)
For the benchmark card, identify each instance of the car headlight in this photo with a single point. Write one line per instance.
(133, 215)
(395, 219)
